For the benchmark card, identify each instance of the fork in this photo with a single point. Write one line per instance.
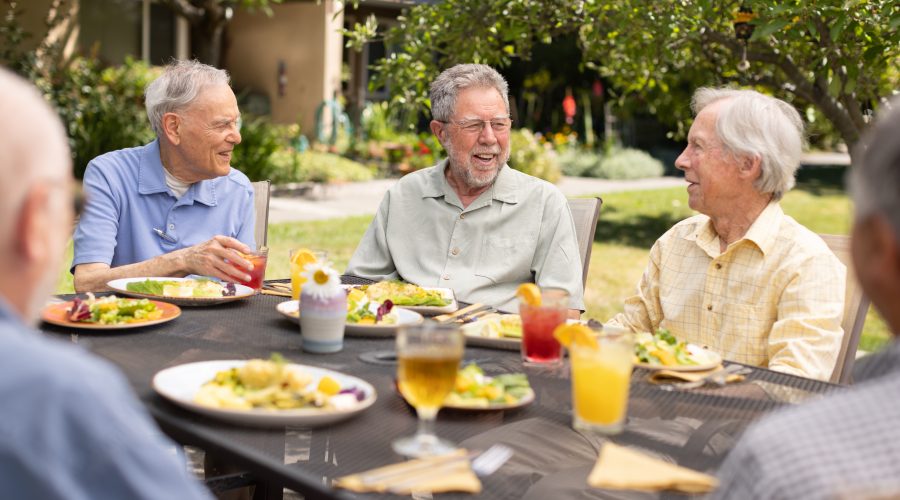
(485, 464)
(719, 378)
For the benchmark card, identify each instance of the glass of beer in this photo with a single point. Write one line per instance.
(428, 357)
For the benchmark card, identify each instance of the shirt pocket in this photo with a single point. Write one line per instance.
(505, 259)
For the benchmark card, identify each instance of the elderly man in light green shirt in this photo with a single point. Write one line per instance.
(471, 223)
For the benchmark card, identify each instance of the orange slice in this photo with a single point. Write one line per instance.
(302, 257)
(529, 293)
(575, 333)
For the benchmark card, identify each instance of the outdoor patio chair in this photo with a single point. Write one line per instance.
(261, 194)
(856, 305)
(585, 212)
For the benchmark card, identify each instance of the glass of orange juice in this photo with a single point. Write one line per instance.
(601, 375)
(300, 258)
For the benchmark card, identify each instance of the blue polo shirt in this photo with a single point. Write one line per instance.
(70, 427)
(127, 198)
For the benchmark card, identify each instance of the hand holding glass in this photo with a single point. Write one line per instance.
(428, 357)
(259, 259)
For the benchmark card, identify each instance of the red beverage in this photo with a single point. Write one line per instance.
(538, 323)
(258, 272)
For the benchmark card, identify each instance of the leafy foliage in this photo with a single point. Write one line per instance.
(529, 156)
(839, 57)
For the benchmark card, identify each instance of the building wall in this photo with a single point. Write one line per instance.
(305, 38)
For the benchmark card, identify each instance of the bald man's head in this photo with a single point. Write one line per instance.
(35, 195)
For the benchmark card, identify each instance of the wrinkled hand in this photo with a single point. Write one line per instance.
(219, 258)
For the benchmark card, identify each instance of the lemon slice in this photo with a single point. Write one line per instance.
(575, 333)
(529, 293)
(303, 257)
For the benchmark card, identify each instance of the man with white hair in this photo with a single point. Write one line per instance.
(743, 278)
(843, 446)
(175, 206)
(70, 427)
(472, 223)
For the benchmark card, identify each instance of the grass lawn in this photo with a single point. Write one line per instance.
(629, 224)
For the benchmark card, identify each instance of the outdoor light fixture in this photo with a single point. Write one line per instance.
(743, 30)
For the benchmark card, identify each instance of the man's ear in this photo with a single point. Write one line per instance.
(750, 166)
(32, 225)
(876, 253)
(438, 129)
(171, 127)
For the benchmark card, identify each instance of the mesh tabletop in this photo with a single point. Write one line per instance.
(695, 429)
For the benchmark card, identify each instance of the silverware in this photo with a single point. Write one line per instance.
(476, 315)
(719, 377)
(446, 318)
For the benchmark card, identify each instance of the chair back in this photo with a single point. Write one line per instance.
(261, 194)
(585, 212)
(856, 305)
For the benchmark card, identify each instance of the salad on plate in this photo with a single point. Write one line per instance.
(475, 390)
(187, 288)
(112, 310)
(662, 349)
(404, 294)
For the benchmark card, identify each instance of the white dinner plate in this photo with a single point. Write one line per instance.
(480, 333)
(706, 359)
(291, 310)
(447, 293)
(180, 383)
(121, 287)
(526, 400)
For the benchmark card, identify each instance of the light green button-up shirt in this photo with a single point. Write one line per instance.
(520, 230)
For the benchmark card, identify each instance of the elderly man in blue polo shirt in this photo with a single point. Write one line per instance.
(175, 206)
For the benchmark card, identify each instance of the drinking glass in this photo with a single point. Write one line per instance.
(601, 375)
(300, 257)
(259, 259)
(539, 347)
(428, 357)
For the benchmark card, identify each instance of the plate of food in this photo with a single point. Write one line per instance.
(265, 393)
(182, 291)
(479, 392)
(365, 318)
(428, 301)
(662, 351)
(108, 313)
(501, 331)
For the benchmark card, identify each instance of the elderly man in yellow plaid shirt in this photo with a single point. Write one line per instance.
(743, 278)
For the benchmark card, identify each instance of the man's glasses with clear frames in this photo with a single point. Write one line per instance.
(498, 125)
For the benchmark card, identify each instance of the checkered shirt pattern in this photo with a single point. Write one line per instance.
(774, 298)
(844, 446)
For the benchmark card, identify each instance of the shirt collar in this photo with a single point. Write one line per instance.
(763, 232)
(505, 187)
(152, 179)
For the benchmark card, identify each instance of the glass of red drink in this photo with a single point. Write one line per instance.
(539, 347)
(259, 259)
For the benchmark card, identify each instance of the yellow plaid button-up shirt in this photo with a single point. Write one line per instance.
(774, 298)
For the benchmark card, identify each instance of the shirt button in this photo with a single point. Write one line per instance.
(445, 277)
(718, 266)
(171, 227)
(709, 307)
(455, 251)
(462, 216)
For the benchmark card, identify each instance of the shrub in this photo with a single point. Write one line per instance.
(288, 165)
(529, 156)
(627, 164)
(578, 163)
(259, 141)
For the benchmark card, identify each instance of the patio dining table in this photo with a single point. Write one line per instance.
(695, 429)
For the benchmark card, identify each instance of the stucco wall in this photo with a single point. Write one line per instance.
(305, 37)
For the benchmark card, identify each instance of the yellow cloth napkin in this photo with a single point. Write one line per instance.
(668, 376)
(441, 474)
(620, 468)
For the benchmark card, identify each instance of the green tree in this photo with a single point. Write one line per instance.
(837, 59)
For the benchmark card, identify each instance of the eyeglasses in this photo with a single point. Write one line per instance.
(498, 125)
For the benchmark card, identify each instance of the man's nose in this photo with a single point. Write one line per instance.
(682, 163)
(487, 135)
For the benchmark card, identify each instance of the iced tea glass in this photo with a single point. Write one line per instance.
(601, 376)
(259, 259)
(428, 357)
(539, 347)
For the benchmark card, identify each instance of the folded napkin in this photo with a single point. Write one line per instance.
(668, 376)
(441, 474)
(620, 468)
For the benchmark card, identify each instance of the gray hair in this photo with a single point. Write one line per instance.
(756, 125)
(177, 88)
(445, 88)
(875, 176)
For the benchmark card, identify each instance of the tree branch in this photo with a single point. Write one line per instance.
(184, 8)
